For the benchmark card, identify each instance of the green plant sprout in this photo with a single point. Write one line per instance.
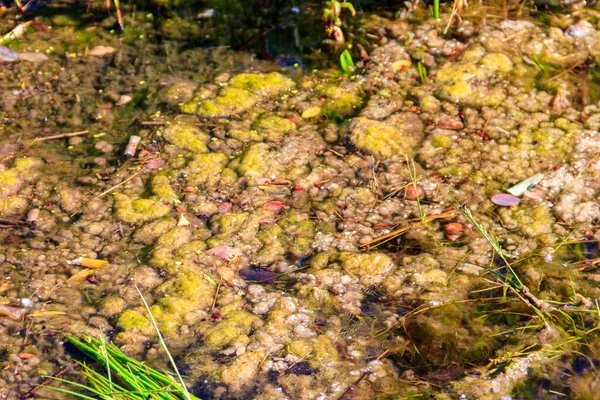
(133, 380)
(332, 15)
(346, 63)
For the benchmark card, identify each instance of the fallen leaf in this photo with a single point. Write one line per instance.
(311, 112)
(534, 195)
(33, 57)
(224, 207)
(81, 275)
(225, 253)
(100, 51)
(155, 164)
(26, 356)
(506, 200)
(183, 221)
(451, 123)
(4, 287)
(40, 26)
(11, 312)
(262, 181)
(400, 65)
(46, 314)
(273, 205)
(226, 273)
(124, 99)
(261, 275)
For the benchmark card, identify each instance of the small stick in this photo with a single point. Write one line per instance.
(119, 184)
(59, 136)
(216, 293)
(47, 381)
(151, 123)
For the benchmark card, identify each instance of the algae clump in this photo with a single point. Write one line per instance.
(230, 101)
(187, 137)
(235, 324)
(139, 210)
(381, 139)
(263, 84)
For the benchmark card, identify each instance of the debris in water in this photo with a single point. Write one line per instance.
(311, 112)
(183, 221)
(16, 33)
(124, 99)
(100, 51)
(559, 102)
(535, 195)
(226, 273)
(88, 262)
(155, 164)
(273, 205)
(11, 312)
(261, 275)
(453, 228)
(132, 146)
(8, 55)
(523, 186)
(506, 200)
(33, 57)
(401, 65)
(225, 253)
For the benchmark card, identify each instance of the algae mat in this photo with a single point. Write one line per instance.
(305, 234)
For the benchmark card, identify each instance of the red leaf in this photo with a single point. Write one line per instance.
(273, 205)
(225, 253)
(155, 164)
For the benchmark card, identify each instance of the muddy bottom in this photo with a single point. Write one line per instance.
(300, 233)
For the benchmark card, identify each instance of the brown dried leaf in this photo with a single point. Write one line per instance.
(100, 51)
(226, 273)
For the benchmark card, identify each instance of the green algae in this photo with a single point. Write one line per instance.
(187, 137)
(369, 267)
(134, 211)
(269, 84)
(243, 369)
(255, 161)
(530, 221)
(231, 101)
(209, 169)
(319, 350)
(13, 205)
(179, 295)
(133, 321)
(235, 325)
(380, 139)
(342, 101)
(272, 127)
(148, 233)
(162, 189)
(298, 232)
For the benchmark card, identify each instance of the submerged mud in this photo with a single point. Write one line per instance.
(301, 235)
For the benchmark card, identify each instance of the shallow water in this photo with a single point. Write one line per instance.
(300, 233)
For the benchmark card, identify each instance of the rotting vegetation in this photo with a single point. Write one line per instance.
(310, 257)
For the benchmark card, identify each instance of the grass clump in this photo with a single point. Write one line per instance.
(123, 377)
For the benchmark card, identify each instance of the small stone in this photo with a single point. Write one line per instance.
(451, 123)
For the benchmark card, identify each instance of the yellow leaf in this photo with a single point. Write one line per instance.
(81, 275)
(93, 263)
(401, 65)
(46, 313)
(311, 112)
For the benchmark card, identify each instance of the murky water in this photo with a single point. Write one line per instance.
(301, 233)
